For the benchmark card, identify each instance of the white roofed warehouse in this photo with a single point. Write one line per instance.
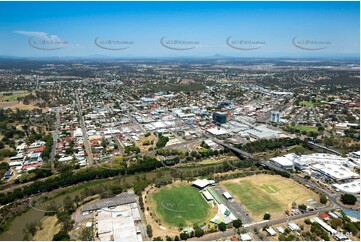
(336, 172)
(227, 195)
(201, 184)
(217, 132)
(349, 188)
(282, 162)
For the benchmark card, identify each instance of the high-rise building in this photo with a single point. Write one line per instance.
(275, 117)
(220, 117)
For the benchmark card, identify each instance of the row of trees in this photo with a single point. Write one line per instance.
(69, 178)
(48, 139)
(201, 153)
(196, 232)
(265, 145)
(75, 177)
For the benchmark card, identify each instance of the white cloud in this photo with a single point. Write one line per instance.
(42, 35)
(30, 33)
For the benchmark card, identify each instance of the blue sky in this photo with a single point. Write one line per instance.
(209, 24)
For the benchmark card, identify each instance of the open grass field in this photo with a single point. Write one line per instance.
(306, 128)
(268, 193)
(307, 104)
(14, 96)
(218, 159)
(11, 101)
(181, 205)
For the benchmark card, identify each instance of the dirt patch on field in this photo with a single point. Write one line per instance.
(145, 143)
(19, 105)
(50, 228)
(186, 81)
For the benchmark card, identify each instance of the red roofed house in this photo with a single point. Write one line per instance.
(324, 216)
(153, 105)
(36, 150)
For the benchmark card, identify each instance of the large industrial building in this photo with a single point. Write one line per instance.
(303, 162)
(336, 172)
(217, 132)
(322, 166)
(117, 219)
(119, 223)
(262, 132)
(349, 188)
(123, 198)
(282, 162)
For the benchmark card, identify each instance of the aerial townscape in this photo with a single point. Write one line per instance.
(212, 148)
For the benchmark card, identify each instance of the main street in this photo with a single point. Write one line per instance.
(132, 119)
(85, 134)
(119, 144)
(55, 139)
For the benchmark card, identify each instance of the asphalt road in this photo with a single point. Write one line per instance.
(259, 226)
(85, 135)
(120, 146)
(55, 139)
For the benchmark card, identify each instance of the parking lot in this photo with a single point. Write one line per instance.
(234, 206)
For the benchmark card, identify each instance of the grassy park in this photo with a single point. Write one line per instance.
(305, 128)
(13, 97)
(267, 193)
(10, 100)
(181, 205)
(307, 104)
